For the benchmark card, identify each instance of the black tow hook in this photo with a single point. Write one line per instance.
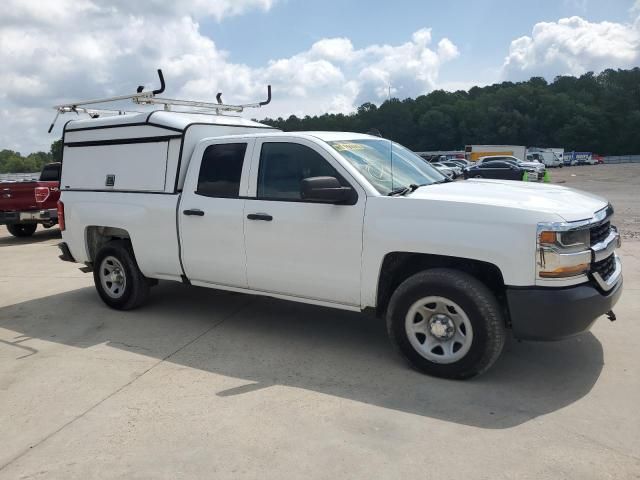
(611, 316)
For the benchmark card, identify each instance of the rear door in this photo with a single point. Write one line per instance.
(210, 213)
(295, 247)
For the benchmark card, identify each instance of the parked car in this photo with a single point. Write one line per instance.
(498, 169)
(455, 166)
(337, 219)
(443, 169)
(24, 205)
(532, 167)
(462, 162)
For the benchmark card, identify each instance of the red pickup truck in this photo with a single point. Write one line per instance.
(23, 205)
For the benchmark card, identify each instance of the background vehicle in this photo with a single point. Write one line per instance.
(532, 167)
(24, 205)
(443, 169)
(456, 166)
(475, 152)
(221, 202)
(545, 156)
(560, 154)
(582, 158)
(498, 169)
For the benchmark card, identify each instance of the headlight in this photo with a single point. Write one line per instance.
(562, 253)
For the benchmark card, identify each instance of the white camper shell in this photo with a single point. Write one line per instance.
(145, 152)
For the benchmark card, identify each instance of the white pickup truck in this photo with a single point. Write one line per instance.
(342, 220)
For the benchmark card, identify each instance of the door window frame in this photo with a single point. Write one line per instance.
(345, 176)
(193, 174)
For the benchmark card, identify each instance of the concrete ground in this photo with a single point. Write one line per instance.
(203, 384)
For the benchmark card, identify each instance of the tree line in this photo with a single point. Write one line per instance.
(596, 113)
(14, 162)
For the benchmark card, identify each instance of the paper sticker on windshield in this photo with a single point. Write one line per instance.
(347, 147)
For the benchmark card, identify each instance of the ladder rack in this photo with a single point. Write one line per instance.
(149, 98)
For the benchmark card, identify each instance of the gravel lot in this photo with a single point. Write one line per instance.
(202, 384)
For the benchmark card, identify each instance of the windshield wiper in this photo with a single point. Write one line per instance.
(404, 190)
(444, 180)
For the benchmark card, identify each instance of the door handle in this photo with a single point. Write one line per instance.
(194, 212)
(260, 216)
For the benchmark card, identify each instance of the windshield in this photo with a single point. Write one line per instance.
(386, 165)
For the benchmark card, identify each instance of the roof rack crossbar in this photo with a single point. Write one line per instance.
(149, 98)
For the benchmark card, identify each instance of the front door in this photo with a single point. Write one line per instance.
(298, 248)
(211, 214)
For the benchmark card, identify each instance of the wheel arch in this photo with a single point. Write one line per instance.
(97, 236)
(398, 266)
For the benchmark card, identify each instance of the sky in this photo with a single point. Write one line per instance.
(319, 56)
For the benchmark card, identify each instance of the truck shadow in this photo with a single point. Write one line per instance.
(270, 342)
(41, 235)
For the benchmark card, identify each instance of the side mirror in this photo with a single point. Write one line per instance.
(324, 189)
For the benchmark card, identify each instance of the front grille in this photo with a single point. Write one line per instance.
(600, 232)
(605, 267)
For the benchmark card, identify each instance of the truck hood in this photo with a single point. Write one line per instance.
(570, 204)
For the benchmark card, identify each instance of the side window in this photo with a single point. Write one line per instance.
(283, 166)
(221, 169)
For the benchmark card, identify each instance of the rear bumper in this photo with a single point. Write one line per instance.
(30, 216)
(555, 313)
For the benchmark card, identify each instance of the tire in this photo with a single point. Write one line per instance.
(477, 327)
(22, 229)
(117, 278)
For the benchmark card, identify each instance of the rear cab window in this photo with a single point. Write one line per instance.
(221, 170)
(50, 173)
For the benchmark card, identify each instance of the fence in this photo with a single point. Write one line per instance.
(622, 159)
(19, 177)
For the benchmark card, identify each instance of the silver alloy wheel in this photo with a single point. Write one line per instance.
(439, 330)
(112, 277)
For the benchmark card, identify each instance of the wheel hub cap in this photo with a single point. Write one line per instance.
(439, 329)
(442, 327)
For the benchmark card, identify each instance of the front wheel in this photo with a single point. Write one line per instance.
(446, 323)
(117, 278)
(22, 229)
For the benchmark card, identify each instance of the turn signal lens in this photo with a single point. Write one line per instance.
(61, 222)
(548, 238)
(562, 272)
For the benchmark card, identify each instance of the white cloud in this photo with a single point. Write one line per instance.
(573, 46)
(66, 50)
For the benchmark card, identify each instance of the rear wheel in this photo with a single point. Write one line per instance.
(117, 278)
(22, 229)
(446, 323)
